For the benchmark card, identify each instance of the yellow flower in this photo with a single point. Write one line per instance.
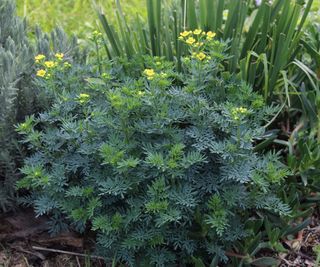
(83, 98)
(190, 40)
(201, 56)
(225, 14)
(243, 110)
(41, 73)
(140, 93)
(97, 34)
(236, 117)
(39, 57)
(238, 111)
(84, 95)
(210, 35)
(106, 75)
(49, 64)
(184, 34)
(59, 56)
(163, 75)
(66, 64)
(197, 31)
(198, 44)
(149, 73)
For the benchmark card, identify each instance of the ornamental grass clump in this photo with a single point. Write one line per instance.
(265, 39)
(160, 165)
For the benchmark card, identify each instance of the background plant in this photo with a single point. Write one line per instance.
(18, 97)
(16, 57)
(67, 14)
(263, 39)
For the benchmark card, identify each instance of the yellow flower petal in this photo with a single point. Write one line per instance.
(39, 57)
(83, 98)
(211, 34)
(149, 73)
(190, 40)
(49, 64)
(197, 31)
(41, 73)
(184, 34)
(201, 56)
(59, 56)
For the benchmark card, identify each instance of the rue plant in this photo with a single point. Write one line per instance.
(159, 163)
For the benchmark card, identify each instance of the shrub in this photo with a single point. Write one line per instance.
(161, 165)
(17, 95)
(15, 61)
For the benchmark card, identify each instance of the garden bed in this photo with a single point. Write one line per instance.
(188, 136)
(25, 242)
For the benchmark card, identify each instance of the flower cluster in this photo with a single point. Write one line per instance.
(83, 98)
(39, 57)
(236, 113)
(200, 56)
(48, 65)
(196, 37)
(151, 74)
(96, 35)
(197, 41)
(59, 56)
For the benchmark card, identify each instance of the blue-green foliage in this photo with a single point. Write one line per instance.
(160, 164)
(18, 97)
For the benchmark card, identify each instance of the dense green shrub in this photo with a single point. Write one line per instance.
(18, 97)
(160, 164)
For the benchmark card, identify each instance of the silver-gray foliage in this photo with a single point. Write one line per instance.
(18, 98)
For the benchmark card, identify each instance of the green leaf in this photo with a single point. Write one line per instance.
(198, 262)
(293, 230)
(265, 261)
(95, 81)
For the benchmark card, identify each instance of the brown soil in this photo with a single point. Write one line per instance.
(24, 242)
(301, 252)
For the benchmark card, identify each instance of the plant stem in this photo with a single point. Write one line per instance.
(98, 56)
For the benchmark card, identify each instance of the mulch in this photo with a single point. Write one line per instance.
(301, 251)
(24, 242)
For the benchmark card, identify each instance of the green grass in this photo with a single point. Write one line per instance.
(315, 13)
(75, 16)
